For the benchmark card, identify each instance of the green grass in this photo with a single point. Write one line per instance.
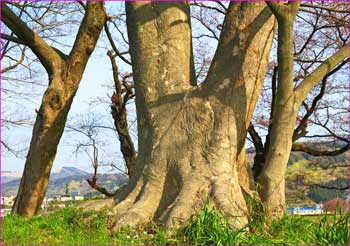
(72, 226)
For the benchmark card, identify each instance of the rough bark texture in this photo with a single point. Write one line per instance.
(65, 73)
(119, 114)
(190, 137)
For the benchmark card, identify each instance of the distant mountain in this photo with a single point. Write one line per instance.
(75, 178)
(64, 172)
(7, 176)
(71, 177)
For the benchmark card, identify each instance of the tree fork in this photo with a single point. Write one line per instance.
(65, 73)
(190, 137)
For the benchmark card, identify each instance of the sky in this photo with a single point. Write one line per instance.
(92, 85)
(96, 83)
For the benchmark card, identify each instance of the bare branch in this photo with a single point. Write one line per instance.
(18, 62)
(309, 82)
(306, 149)
(114, 47)
(328, 8)
(47, 55)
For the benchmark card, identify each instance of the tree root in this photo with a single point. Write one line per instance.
(178, 213)
(225, 191)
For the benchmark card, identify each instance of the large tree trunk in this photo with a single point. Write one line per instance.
(65, 73)
(191, 136)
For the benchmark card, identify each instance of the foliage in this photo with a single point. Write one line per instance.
(334, 232)
(304, 177)
(209, 226)
(321, 195)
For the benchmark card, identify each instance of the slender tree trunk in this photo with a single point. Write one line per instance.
(191, 136)
(288, 101)
(272, 177)
(65, 73)
(119, 114)
(47, 132)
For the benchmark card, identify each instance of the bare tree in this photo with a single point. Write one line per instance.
(288, 100)
(89, 127)
(64, 73)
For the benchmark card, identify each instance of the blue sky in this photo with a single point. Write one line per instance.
(96, 83)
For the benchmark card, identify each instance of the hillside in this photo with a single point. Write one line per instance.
(71, 177)
(303, 174)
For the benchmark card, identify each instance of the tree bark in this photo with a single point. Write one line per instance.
(119, 114)
(190, 137)
(272, 177)
(65, 73)
(288, 100)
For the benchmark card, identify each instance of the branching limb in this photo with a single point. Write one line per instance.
(327, 66)
(47, 55)
(114, 47)
(17, 63)
(94, 19)
(306, 149)
(119, 114)
(300, 131)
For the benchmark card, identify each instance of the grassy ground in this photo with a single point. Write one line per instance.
(72, 226)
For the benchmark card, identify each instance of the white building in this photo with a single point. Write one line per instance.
(66, 198)
(317, 209)
(79, 198)
(7, 200)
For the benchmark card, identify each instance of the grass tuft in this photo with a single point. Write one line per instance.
(209, 226)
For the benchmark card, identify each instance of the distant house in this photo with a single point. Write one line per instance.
(336, 204)
(78, 198)
(317, 209)
(7, 200)
(66, 198)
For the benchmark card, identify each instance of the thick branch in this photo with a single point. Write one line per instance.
(47, 55)
(309, 82)
(89, 31)
(276, 8)
(259, 158)
(100, 189)
(328, 8)
(257, 141)
(332, 187)
(306, 149)
(12, 39)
